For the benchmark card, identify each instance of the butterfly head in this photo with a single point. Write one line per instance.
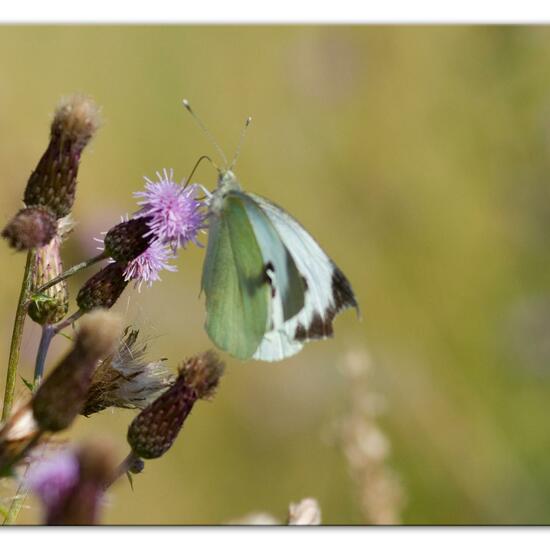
(227, 181)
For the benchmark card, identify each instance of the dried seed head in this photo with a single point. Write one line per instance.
(62, 395)
(125, 379)
(155, 429)
(53, 182)
(30, 228)
(103, 289)
(305, 512)
(127, 240)
(53, 305)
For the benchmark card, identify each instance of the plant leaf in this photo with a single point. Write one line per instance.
(30, 385)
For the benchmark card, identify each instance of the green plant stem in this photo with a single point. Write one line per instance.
(17, 335)
(22, 489)
(131, 464)
(17, 502)
(71, 271)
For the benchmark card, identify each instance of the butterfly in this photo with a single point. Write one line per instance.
(269, 286)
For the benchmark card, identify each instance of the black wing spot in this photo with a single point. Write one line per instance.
(269, 270)
(342, 292)
(300, 333)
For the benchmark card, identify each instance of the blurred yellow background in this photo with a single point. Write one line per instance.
(419, 158)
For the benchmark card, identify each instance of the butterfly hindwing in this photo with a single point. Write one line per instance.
(234, 280)
(327, 291)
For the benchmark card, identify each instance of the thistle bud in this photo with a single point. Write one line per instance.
(30, 228)
(53, 182)
(155, 429)
(125, 379)
(127, 240)
(62, 395)
(54, 304)
(103, 289)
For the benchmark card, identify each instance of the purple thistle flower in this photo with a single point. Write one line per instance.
(174, 215)
(145, 268)
(53, 478)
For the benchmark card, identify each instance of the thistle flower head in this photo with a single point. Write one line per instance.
(155, 429)
(31, 227)
(62, 395)
(173, 213)
(125, 379)
(146, 267)
(54, 477)
(71, 483)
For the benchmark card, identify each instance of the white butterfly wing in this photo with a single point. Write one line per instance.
(327, 290)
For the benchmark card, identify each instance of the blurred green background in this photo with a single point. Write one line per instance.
(419, 158)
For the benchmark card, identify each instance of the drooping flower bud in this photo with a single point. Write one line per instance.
(103, 289)
(127, 240)
(125, 379)
(61, 396)
(71, 484)
(53, 182)
(53, 305)
(31, 227)
(155, 429)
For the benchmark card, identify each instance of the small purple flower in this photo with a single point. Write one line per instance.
(145, 268)
(54, 477)
(174, 215)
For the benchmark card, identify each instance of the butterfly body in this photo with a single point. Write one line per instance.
(269, 286)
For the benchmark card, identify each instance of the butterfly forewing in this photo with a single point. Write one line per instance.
(234, 281)
(287, 285)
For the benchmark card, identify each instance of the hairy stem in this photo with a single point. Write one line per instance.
(71, 271)
(17, 335)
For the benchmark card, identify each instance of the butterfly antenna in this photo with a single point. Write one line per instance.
(204, 157)
(205, 130)
(241, 141)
